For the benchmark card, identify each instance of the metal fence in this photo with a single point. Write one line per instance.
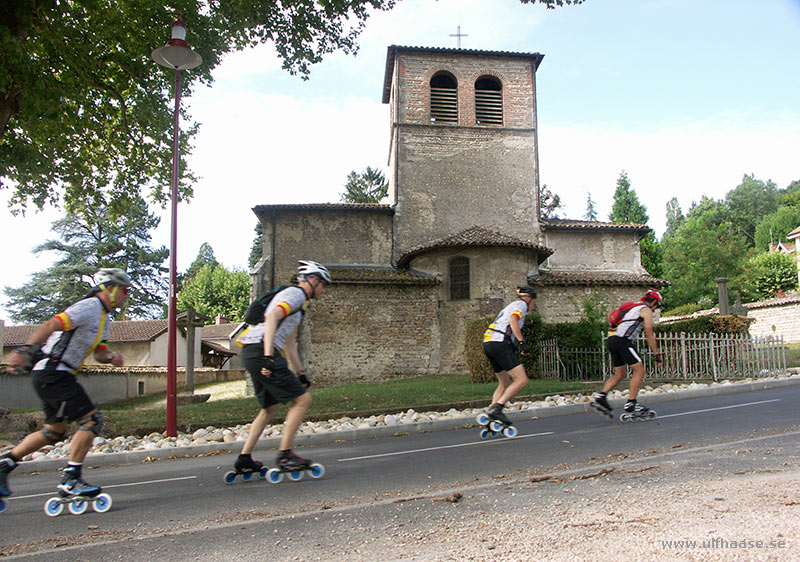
(686, 356)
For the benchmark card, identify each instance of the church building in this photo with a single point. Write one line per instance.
(460, 231)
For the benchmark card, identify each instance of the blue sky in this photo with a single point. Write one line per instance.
(686, 96)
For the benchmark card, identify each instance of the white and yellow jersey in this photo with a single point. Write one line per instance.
(500, 326)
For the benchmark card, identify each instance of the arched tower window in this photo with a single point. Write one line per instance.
(488, 101)
(458, 270)
(444, 99)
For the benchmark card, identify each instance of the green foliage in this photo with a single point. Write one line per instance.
(591, 210)
(101, 237)
(215, 290)
(747, 203)
(705, 247)
(549, 203)
(256, 251)
(626, 207)
(370, 186)
(479, 368)
(704, 324)
(675, 217)
(205, 257)
(775, 226)
(771, 272)
(682, 310)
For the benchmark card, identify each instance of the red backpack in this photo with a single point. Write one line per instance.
(616, 316)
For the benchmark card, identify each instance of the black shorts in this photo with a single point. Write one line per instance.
(280, 387)
(62, 397)
(623, 351)
(502, 355)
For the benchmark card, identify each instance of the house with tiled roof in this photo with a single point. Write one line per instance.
(460, 231)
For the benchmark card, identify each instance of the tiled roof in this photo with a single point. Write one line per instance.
(392, 51)
(571, 224)
(790, 298)
(475, 236)
(220, 331)
(596, 278)
(300, 207)
(377, 274)
(794, 234)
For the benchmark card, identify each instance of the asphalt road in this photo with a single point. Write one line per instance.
(182, 508)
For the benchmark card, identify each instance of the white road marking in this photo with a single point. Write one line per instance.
(720, 408)
(111, 486)
(411, 451)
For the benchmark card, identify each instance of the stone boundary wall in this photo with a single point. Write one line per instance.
(778, 319)
(109, 384)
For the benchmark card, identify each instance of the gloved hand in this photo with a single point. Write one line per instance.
(270, 362)
(524, 348)
(659, 358)
(304, 379)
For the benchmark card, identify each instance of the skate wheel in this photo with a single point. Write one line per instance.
(78, 506)
(274, 475)
(484, 433)
(53, 507)
(295, 475)
(316, 470)
(262, 473)
(510, 431)
(482, 419)
(3, 505)
(496, 426)
(625, 417)
(229, 477)
(102, 503)
(651, 414)
(246, 476)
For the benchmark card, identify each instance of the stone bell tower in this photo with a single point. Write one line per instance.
(464, 149)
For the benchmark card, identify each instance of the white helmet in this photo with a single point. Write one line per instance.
(307, 268)
(111, 276)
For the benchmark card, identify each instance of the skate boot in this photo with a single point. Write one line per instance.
(635, 412)
(600, 403)
(295, 466)
(7, 464)
(495, 422)
(247, 467)
(72, 484)
(77, 495)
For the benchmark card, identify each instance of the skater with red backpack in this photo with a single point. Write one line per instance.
(627, 323)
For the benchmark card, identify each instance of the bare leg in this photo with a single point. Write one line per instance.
(520, 378)
(257, 428)
(294, 417)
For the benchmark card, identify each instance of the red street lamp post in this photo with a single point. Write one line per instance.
(176, 54)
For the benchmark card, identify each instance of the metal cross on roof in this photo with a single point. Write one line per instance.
(459, 35)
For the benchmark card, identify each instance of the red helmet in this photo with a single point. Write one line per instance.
(653, 295)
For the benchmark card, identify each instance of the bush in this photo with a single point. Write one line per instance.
(478, 365)
(683, 310)
(704, 324)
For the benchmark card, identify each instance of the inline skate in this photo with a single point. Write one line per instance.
(77, 495)
(636, 412)
(600, 404)
(495, 422)
(295, 466)
(247, 467)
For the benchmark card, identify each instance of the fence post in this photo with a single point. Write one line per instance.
(683, 356)
(603, 352)
(783, 356)
(713, 355)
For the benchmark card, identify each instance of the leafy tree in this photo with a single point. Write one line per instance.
(85, 112)
(549, 203)
(85, 244)
(748, 203)
(775, 226)
(370, 186)
(205, 256)
(675, 217)
(591, 210)
(706, 246)
(627, 209)
(257, 250)
(215, 290)
(771, 272)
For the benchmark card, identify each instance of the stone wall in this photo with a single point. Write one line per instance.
(776, 319)
(593, 250)
(564, 304)
(362, 332)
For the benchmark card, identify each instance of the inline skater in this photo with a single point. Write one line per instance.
(499, 347)
(274, 383)
(54, 353)
(622, 348)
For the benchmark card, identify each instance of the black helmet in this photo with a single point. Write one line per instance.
(523, 290)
